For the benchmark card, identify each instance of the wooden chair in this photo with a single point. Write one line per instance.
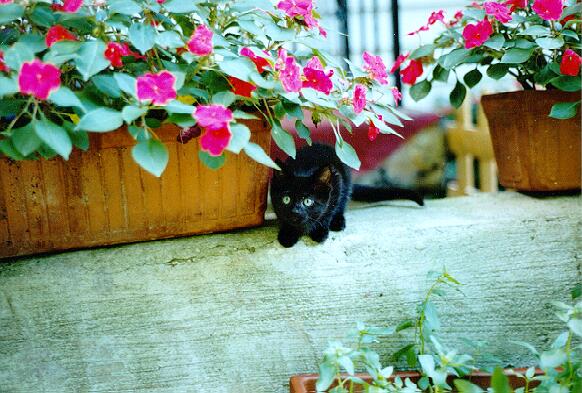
(470, 141)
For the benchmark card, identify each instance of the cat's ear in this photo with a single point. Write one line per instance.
(324, 176)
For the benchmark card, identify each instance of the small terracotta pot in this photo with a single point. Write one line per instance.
(306, 383)
(102, 197)
(534, 152)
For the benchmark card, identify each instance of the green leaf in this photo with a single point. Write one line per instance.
(571, 34)
(7, 148)
(176, 106)
(169, 40)
(458, 95)
(552, 358)
(560, 341)
(152, 155)
(225, 98)
(564, 110)
(61, 52)
(500, 382)
(25, 140)
(65, 97)
(453, 58)
(427, 364)
(257, 153)
(107, 85)
(464, 386)
(425, 50)
(240, 68)
(472, 78)
(440, 74)
(536, 30)
(527, 345)
(181, 6)
(131, 112)
(238, 114)
(10, 12)
(284, 140)
(327, 373)
(125, 7)
(497, 71)
(43, 15)
(576, 326)
(91, 58)
(126, 83)
(516, 56)
(54, 136)
(550, 42)
(576, 292)
(142, 36)
(240, 137)
(7, 86)
(303, 131)
(212, 162)
(566, 83)
(18, 54)
(101, 120)
(34, 42)
(420, 90)
(347, 154)
(347, 364)
(495, 42)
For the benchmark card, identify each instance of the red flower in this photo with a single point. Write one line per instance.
(58, 33)
(214, 120)
(3, 66)
(570, 64)
(436, 16)
(399, 60)
(115, 52)
(515, 4)
(413, 71)
(38, 79)
(260, 62)
(476, 35)
(373, 131)
(69, 6)
(316, 78)
(241, 87)
(159, 88)
(215, 141)
(548, 9)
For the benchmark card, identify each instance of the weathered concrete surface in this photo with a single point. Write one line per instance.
(238, 313)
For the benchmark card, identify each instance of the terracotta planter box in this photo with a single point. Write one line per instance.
(533, 151)
(306, 383)
(102, 197)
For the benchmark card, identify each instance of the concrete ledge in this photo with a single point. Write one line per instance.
(238, 313)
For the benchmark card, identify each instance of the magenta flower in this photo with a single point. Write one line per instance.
(397, 95)
(476, 35)
(212, 117)
(436, 16)
(289, 72)
(499, 11)
(215, 141)
(69, 6)
(5, 1)
(375, 66)
(360, 98)
(295, 8)
(421, 28)
(156, 87)
(399, 60)
(548, 9)
(38, 79)
(315, 76)
(200, 43)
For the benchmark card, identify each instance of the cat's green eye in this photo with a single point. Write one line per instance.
(286, 200)
(308, 202)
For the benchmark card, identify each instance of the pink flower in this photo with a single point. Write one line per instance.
(295, 8)
(58, 33)
(397, 95)
(215, 141)
(373, 131)
(289, 72)
(375, 66)
(570, 64)
(200, 43)
(5, 1)
(548, 9)
(156, 87)
(399, 60)
(515, 4)
(476, 35)
(360, 98)
(3, 66)
(315, 76)
(160, 1)
(260, 62)
(421, 28)
(499, 11)
(69, 6)
(38, 79)
(212, 117)
(413, 71)
(241, 87)
(436, 16)
(115, 52)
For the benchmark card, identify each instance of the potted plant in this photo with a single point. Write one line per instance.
(88, 87)
(536, 131)
(559, 369)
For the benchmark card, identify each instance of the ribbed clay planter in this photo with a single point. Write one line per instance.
(534, 152)
(102, 197)
(306, 383)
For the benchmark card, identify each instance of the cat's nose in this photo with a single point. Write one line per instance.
(296, 210)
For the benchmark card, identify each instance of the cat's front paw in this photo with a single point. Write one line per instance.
(319, 235)
(338, 223)
(288, 238)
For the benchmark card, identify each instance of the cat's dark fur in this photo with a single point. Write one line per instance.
(310, 194)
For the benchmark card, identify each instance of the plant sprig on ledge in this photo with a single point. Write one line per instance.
(537, 42)
(72, 67)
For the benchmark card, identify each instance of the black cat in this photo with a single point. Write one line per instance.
(310, 194)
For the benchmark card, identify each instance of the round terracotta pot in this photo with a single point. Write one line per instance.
(534, 152)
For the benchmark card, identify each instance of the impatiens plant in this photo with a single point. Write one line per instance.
(73, 67)
(535, 41)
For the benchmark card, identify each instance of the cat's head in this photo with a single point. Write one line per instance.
(300, 199)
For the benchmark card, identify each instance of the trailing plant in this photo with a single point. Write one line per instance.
(537, 42)
(438, 365)
(73, 67)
